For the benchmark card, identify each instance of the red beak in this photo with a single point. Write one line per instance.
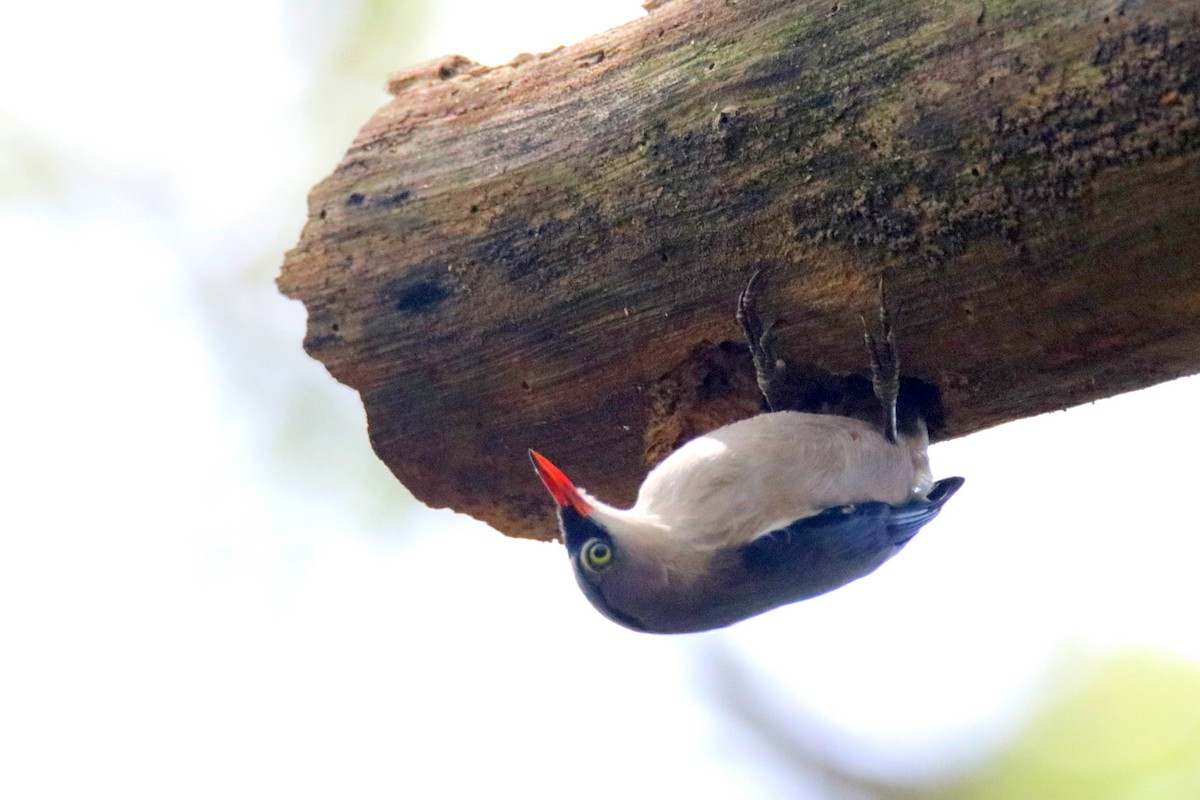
(560, 486)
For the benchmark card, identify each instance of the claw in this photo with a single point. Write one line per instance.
(759, 338)
(785, 385)
(885, 365)
(747, 316)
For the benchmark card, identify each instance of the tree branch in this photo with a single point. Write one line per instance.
(547, 254)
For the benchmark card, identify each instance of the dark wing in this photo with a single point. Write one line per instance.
(824, 551)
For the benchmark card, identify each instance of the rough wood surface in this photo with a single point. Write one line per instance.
(547, 254)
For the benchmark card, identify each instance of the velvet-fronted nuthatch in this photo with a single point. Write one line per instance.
(773, 509)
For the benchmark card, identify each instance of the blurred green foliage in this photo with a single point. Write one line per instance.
(1131, 731)
(30, 168)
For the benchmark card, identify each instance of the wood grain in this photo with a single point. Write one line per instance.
(547, 254)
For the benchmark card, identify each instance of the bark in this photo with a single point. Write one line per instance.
(547, 254)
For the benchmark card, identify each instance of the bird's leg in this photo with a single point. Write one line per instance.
(885, 365)
(785, 386)
(760, 339)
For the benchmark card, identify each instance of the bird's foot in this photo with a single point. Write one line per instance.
(785, 386)
(760, 338)
(885, 365)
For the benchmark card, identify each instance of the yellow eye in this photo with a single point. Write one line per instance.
(598, 553)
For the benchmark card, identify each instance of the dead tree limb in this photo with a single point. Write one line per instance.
(547, 254)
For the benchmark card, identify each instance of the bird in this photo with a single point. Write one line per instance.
(815, 492)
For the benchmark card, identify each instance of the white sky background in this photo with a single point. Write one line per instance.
(184, 612)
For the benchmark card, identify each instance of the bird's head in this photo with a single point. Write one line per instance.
(606, 547)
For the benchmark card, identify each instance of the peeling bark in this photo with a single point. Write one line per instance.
(547, 254)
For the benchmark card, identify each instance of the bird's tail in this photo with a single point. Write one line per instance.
(906, 520)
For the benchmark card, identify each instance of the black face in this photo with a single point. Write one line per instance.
(578, 530)
(593, 553)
